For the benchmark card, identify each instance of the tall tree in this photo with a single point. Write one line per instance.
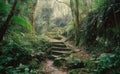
(77, 22)
(33, 12)
(74, 5)
(5, 26)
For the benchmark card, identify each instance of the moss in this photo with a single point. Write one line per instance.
(58, 62)
(34, 63)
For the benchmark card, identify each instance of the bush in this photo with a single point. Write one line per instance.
(58, 62)
(74, 63)
(22, 50)
(107, 63)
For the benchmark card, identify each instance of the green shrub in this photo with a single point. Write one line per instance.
(74, 71)
(58, 62)
(34, 63)
(74, 63)
(16, 50)
(107, 63)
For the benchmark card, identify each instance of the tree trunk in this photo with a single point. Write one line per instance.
(77, 22)
(5, 26)
(32, 16)
(75, 15)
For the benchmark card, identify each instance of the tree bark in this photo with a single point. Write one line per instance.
(72, 12)
(5, 26)
(32, 14)
(77, 22)
(75, 16)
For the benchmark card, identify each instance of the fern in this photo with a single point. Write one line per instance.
(21, 21)
(3, 9)
(98, 3)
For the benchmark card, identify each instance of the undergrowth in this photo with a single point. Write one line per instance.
(100, 34)
(22, 53)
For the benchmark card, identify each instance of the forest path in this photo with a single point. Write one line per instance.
(60, 47)
(80, 53)
(50, 69)
(48, 64)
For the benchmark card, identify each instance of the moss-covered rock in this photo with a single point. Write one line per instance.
(58, 62)
(34, 63)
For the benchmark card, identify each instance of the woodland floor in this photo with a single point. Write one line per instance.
(50, 69)
(80, 53)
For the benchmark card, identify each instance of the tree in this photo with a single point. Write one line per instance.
(33, 12)
(14, 16)
(74, 5)
(5, 26)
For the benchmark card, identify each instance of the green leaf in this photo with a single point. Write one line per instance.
(1, 67)
(3, 9)
(21, 21)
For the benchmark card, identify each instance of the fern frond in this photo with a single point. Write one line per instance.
(3, 9)
(21, 21)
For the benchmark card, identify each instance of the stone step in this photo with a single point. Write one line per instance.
(55, 56)
(60, 52)
(58, 37)
(52, 57)
(60, 49)
(59, 45)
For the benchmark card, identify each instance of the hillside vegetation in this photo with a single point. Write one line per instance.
(60, 36)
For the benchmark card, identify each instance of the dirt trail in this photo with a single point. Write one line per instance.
(48, 64)
(80, 54)
(50, 69)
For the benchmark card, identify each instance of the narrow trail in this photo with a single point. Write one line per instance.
(50, 69)
(48, 64)
(58, 49)
(81, 53)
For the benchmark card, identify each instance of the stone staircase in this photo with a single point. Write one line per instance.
(59, 49)
(60, 54)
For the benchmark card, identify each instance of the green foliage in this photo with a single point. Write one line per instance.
(21, 21)
(69, 29)
(4, 9)
(21, 69)
(31, 49)
(20, 52)
(74, 71)
(100, 31)
(34, 63)
(73, 63)
(97, 3)
(106, 63)
(58, 62)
